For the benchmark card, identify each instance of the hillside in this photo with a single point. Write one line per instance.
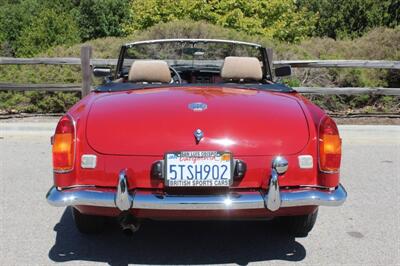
(379, 44)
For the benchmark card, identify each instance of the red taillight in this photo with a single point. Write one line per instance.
(64, 145)
(330, 146)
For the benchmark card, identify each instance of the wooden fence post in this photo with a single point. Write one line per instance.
(270, 55)
(86, 54)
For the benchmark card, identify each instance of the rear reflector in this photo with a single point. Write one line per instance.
(64, 145)
(306, 161)
(330, 146)
(88, 161)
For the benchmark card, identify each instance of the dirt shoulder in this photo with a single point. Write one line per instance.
(367, 121)
(20, 118)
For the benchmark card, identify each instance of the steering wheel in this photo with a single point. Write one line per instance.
(176, 78)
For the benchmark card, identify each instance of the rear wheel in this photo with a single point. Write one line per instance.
(88, 224)
(299, 226)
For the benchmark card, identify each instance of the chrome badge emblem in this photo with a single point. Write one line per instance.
(198, 134)
(197, 107)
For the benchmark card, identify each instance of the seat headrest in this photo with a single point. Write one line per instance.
(149, 71)
(237, 68)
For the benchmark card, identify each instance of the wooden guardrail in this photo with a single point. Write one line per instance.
(86, 63)
(348, 90)
(340, 63)
(40, 87)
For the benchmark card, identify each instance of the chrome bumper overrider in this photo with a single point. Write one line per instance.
(142, 199)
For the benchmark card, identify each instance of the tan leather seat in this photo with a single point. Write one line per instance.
(152, 71)
(241, 68)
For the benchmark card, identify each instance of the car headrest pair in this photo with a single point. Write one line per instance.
(234, 68)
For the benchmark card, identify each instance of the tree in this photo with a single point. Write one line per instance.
(101, 18)
(92, 18)
(342, 18)
(14, 18)
(17, 17)
(49, 28)
(279, 19)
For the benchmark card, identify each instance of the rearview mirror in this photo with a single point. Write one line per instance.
(283, 71)
(102, 72)
(193, 51)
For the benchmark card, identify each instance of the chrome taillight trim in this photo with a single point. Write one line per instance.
(318, 152)
(74, 155)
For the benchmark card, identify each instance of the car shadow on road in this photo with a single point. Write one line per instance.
(188, 242)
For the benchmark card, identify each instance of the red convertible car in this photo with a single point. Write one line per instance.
(195, 129)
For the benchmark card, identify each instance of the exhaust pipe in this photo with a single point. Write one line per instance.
(129, 223)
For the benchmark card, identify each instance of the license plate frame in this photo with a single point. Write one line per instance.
(202, 153)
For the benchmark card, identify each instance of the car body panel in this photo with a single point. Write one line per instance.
(138, 166)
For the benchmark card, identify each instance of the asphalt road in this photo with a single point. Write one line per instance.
(365, 230)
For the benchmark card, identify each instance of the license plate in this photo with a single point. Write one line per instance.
(198, 169)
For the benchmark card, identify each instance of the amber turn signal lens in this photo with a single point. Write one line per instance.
(64, 145)
(330, 146)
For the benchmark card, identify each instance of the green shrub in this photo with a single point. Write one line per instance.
(37, 102)
(357, 103)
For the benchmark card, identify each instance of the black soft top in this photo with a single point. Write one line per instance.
(114, 86)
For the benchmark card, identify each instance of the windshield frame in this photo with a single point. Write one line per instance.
(267, 71)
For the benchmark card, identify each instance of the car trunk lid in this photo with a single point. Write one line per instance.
(154, 121)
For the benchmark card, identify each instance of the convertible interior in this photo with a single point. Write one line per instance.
(234, 69)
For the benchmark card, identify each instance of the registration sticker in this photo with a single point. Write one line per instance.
(198, 169)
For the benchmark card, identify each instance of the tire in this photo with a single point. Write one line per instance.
(88, 224)
(299, 226)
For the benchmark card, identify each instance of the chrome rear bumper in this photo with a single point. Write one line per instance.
(139, 199)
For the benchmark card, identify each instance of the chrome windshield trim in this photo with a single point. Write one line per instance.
(191, 41)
